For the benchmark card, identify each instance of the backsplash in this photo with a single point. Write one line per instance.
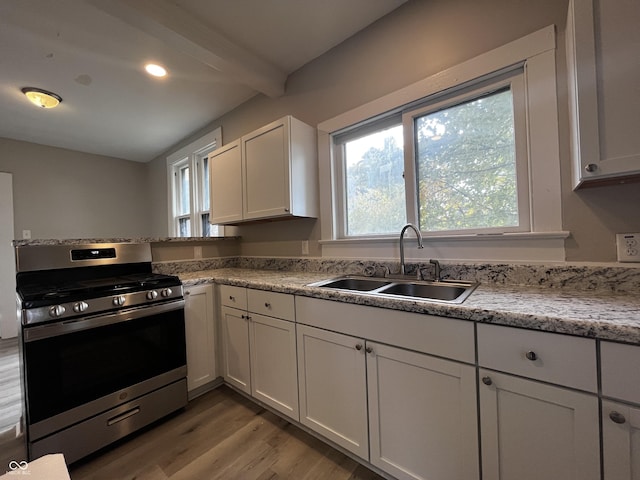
(609, 278)
(575, 277)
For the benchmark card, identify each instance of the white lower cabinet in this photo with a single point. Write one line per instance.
(333, 388)
(421, 420)
(200, 335)
(620, 364)
(273, 363)
(422, 415)
(532, 431)
(235, 348)
(259, 351)
(620, 441)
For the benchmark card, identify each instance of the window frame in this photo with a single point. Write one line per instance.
(545, 240)
(191, 155)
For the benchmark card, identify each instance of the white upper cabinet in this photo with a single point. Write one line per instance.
(225, 177)
(603, 41)
(269, 173)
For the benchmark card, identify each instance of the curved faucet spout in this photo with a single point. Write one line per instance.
(420, 245)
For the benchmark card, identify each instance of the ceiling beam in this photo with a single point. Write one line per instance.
(179, 29)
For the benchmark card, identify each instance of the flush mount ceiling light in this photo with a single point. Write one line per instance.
(155, 70)
(42, 98)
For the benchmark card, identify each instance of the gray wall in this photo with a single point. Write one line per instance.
(420, 39)
(59, 193)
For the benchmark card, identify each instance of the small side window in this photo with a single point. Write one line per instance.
(188, 171)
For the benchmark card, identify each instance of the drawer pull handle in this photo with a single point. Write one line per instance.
(487, 380)
(267, 304)
(531, 356)
(617, 417)
(358, 346)
(123, 416)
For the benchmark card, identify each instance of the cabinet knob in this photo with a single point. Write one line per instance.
(358, 346)
(368, 350)
(232, 298)
(591, 167)
(487, 380)
(267, 304)
(617, 417)
(531, 355)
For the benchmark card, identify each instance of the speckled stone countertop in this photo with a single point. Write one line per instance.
(589, 313)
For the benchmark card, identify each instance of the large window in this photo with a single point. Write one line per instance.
(188, 173)
(462, 170)
(470, 155)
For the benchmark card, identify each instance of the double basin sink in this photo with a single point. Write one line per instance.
(434, 291)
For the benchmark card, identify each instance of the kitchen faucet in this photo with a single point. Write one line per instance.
(420, 245)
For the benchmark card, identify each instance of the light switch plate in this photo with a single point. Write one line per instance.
(628, 245)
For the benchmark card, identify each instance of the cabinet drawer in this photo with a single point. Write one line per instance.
(235, 297)
(560, 359)
(440, 336)
(620, 366)
(271, 304)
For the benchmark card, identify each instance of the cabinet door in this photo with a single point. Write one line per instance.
(200, 335)
(620, 441)
(225, 184)
(602, 44)
(274, 372)
(422, 415)
(333, 390)
(235, 348)
(532, 431)
(266, 171)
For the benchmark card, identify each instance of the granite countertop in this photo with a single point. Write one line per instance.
(592, 313)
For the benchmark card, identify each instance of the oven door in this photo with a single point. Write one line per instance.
(79, 368)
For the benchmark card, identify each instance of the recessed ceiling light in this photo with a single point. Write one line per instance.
(42, 98)
(155, 70)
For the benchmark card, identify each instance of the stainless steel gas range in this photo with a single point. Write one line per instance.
(102, 344)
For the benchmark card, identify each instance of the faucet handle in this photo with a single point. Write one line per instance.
(437, 273)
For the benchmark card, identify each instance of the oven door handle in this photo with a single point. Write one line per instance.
(86, 323)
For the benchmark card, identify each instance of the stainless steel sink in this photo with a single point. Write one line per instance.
(433, 291)
(442, 292)
(360, 284)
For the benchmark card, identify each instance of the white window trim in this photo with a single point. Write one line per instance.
(545, 242)
(191, 154)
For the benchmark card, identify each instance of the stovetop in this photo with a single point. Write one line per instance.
(45, 293)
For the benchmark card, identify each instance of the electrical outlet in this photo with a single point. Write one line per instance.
(26, 234)
(628, 245)
(305, 247)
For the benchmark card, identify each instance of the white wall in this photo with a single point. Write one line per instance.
(8, 320)
(61, 193)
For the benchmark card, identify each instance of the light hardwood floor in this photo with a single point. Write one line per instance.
(221, 435)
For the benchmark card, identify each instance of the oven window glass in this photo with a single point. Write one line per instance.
(66, 371)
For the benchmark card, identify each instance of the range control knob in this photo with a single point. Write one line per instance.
(152, 295)
(166, 292)
(56, 311)
(119, 300)
(80, 307)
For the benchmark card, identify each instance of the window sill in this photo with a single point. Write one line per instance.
(527, 246)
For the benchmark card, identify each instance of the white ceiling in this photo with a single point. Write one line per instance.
(219, 53)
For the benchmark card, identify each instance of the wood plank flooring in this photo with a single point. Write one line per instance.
(10, 391)
(221, 435)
